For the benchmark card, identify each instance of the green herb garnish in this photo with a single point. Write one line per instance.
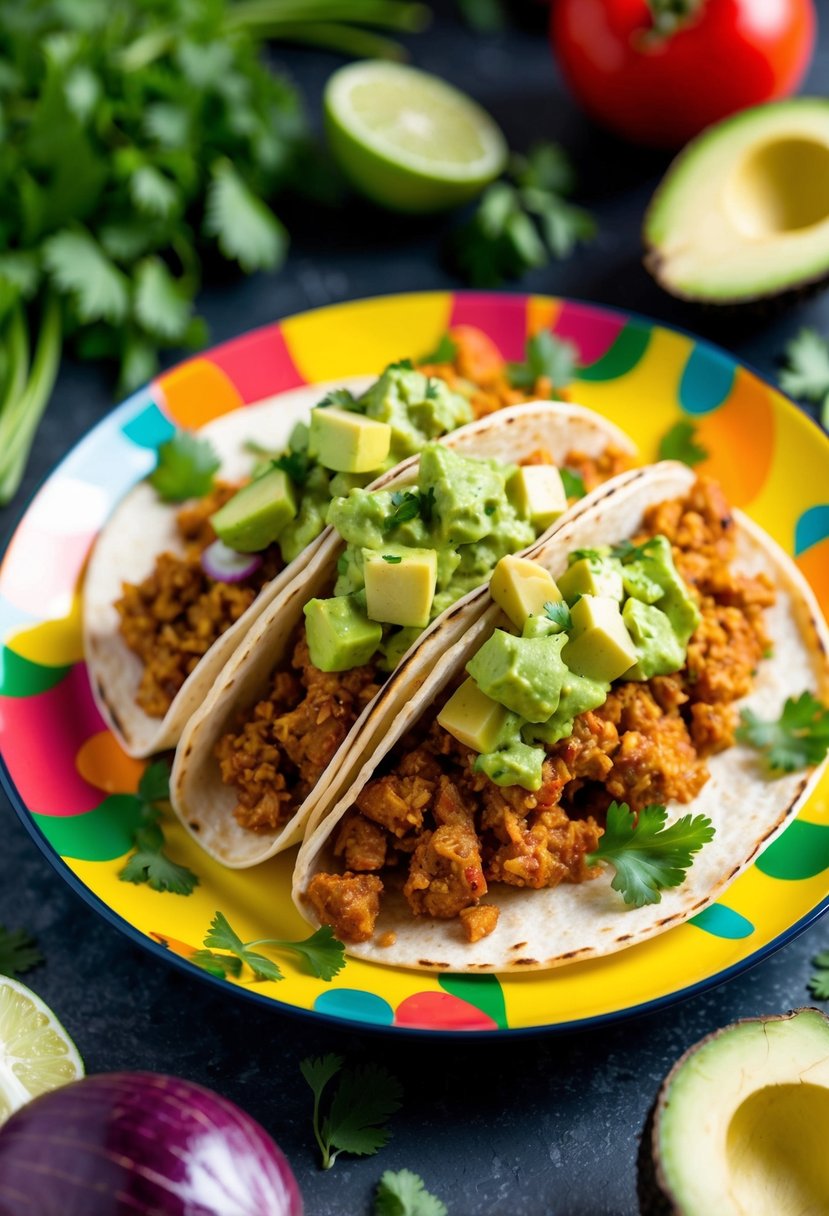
(819, 982)
(573, 484)
(627, 552)
(18, 952)
(357, 1115)
(679, 444)
(297, 465)
(149, 863)
(648, 857)
(558, 612)
(343, 398)
(322, 951)
(408, 505)
(445, 352)
(401, 365)
(186, 468)
(403, 1193)
(431, 389)
(391, 559)
(522, 221)
(797, 739)
(806, 374)
(546, 356)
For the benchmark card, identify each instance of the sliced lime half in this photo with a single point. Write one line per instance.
(408, 140)
(36, 1053)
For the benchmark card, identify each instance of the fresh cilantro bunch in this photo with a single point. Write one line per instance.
(136, 139)
(356, 1117)
(648, 857)
(523, 221)
(797, 739)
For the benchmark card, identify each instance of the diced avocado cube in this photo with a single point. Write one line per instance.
(400, 584)
(340, 635)
(253, 518)
(521, 588)
(349, 443)
(524, 674)
(473, 718)
(592, 576)
(660, 652)
(538, 493)
(600, 646)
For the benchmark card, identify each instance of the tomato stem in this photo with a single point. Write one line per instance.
(671, 15)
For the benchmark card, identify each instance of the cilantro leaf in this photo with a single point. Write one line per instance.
(400, 365)
(819, 982)
(149, 863)
(648, 857)
(18, 952)
(322, 951)
(546, 356)
(406, 506)
(558, 612)
(361, 1106)
(220, 965)
(445, 352)
(153, 193)
(246, 229)
(341, 397)
(431, 390)
(163, 305)
(404, 1194)
(679, 444)
(297, 465)
(799, 738)
(627, 552)
(392, 559)
(186, 468)
(807, 372)
(79, 267)
(159, 872)
(573, 484)
(427, 505)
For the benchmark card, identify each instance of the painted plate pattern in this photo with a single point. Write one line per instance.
(75, 789)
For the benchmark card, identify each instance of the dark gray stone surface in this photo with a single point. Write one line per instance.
(525, 1126)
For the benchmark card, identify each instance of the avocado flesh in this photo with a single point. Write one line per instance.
(740, 1125)
(743, 212)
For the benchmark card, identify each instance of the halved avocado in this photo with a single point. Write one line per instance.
(740, 1124)
(743, 212)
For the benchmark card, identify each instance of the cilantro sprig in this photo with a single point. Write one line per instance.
(679, 443)
(408, 505)
(446, 351)
(323, 953)
(403, 1193)
(343, 398)
(558, 612)
(806, 371)
(797, 739)
(819, 981)
(18, 952)
(356, 1117)
(648, 857)
(573, 483)
(150, 863)
(627, 552)
(548, 357)
(186, 468)
(523, 220)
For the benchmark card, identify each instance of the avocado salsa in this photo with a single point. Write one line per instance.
(171, 618)
(616, 685)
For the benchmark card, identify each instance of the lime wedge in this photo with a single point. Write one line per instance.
(408, 140)
(36, 1053)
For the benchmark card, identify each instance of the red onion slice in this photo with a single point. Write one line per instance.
(226, 565)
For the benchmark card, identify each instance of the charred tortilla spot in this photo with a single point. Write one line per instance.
(626, 937)
(518, 946)
(526, 962)
(424, 962)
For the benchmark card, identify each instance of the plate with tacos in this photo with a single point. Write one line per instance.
(446, 663)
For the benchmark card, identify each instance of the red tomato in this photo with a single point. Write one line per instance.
(662, 90)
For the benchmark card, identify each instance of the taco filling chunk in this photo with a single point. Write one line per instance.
(409, 554)
(190, 598)
(599, 703)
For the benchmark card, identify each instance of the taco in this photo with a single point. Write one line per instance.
(280, 725)
(592, 728)
(166, 603)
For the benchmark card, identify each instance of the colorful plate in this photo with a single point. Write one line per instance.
(74, 788)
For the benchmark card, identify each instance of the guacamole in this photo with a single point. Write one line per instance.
(459, 511)
(636, 606)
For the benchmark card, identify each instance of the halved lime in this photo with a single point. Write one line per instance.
(36, 1053)
(408, 140)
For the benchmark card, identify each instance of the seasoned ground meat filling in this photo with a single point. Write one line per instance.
(449, 833)
(276, 754)
(172, 618)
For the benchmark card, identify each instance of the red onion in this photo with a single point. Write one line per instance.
(226, 565)
(135, 1144)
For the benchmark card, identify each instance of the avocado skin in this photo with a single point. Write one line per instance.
(653, 1192)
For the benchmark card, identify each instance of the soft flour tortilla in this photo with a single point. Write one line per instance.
(139, 530)
(547, 928)
(204, 804)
